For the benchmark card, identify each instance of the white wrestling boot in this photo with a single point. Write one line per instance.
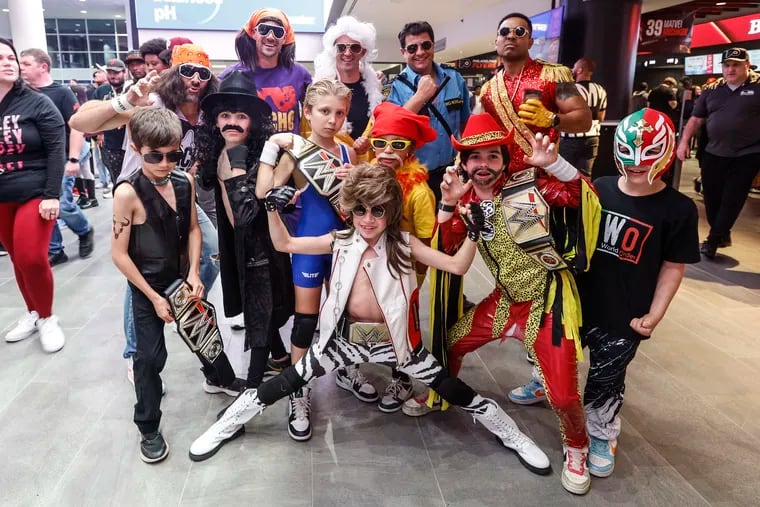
(488, 413)
(229, 427)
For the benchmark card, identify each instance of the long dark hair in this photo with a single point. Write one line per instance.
(209, 142)
(19, 84)
(171, 88)
(245, 47)
(373, 184)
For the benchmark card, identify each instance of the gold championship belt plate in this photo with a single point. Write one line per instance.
(368, 334)
(196, 321)
(318, 166)
(526, 215)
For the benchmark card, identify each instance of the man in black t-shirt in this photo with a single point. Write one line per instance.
(35, 69)
(648, 233)
(111, 149)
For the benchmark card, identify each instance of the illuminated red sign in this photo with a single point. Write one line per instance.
(726, 31)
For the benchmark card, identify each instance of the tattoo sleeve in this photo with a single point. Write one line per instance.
(119, 225)
(566, 91)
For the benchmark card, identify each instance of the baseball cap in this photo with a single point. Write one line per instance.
(115, 64)
(134, 56)
(735, 54)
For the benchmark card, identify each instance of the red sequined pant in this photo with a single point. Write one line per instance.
(556, 365)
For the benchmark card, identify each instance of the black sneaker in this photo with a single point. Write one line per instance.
(90, 203)
(153, 447)
(87, 243)
(82, 200)
(236, 387)
(725, 241)
(708, 249)
(58, 258)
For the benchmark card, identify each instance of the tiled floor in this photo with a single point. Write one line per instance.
(691, 431)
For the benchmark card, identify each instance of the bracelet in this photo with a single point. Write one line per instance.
(120, 104)
(447, 207)
(269, 153)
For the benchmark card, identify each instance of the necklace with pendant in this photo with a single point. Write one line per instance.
(519, 80)
(161, 182)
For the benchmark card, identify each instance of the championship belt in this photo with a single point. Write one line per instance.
(318, 166)
(197, 326)
(368, 333)
(526, 216)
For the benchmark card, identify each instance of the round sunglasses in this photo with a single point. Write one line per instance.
(412, 48)
(377, 211)
(355, 48)
(396, 144)
(155, 157)
(189, 70)
(265, 29)
(519, 31)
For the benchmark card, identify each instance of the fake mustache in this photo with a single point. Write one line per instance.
(236, 128)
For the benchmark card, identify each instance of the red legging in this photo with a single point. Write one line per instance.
(26, 236)
(556, 364)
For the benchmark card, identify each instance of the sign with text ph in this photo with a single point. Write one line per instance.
(224, 14)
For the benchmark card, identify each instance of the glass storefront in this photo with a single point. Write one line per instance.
(83, 43)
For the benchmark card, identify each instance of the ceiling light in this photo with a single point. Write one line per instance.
(83, 12)
(117, 15)
(720, 3)
(6, 10)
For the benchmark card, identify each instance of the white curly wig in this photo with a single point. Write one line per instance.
(325, 62)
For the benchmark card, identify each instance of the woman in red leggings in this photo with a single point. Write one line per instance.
(32, 139)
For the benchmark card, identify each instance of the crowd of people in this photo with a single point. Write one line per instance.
(327, 200)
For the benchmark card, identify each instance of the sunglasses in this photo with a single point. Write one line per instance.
(396, 144)
(519, 31)
(426, 46)
(354, 48)
(265, 29)
(377, 211)
(155, 157)
(189, 70)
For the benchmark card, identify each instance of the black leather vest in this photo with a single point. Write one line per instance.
(158, 247)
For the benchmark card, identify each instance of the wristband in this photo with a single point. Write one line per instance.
(120, 104)
(446, 207)
(269, 153)
(562, 170)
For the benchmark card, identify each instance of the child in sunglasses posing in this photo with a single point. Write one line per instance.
(156, 240)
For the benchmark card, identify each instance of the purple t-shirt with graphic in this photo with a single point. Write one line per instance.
(283, 88)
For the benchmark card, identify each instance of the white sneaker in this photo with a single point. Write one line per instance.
(51, 334)
(417, 406)
(397, 392)
(575, 474)
(25, 327)
(299, 415)
(229, 427)
(490, 415)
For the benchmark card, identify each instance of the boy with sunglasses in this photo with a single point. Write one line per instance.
(156, 240)
(371, 312)
(439, 92)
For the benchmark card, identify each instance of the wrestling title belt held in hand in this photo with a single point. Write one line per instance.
(197, 326)
(318, 166)
(527, 217)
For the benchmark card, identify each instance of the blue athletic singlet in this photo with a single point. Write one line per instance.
(318, 217)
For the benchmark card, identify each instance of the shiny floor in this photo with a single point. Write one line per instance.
(691, 432)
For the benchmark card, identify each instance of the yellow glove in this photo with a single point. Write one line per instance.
(533, 112)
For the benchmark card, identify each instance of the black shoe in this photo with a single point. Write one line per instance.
(90, 203)
(56, 259)
(87, 243)
(234, 389)
(82, 200)
(698, 185)
(277, 365)
(708, 249)
(153, 447)
(725, 241)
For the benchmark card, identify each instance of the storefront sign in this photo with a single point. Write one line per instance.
(475, 63)
(666, 32)
(727, 31)
(224, 14)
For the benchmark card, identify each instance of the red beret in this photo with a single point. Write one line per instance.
(391, 119)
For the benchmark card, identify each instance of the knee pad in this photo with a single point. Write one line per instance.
(280, 386)
(304, 325)
(452, 389)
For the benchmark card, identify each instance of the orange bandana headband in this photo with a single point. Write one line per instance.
(190, 53)
(268, 12)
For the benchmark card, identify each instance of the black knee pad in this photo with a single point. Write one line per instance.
(280, 386)
(304, 325)
(452, 389)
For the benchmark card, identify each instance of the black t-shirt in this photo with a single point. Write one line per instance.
(636, 235)
(66, 102)
(112, 139)
(359, 112)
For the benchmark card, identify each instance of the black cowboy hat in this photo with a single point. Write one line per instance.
(238, 93)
